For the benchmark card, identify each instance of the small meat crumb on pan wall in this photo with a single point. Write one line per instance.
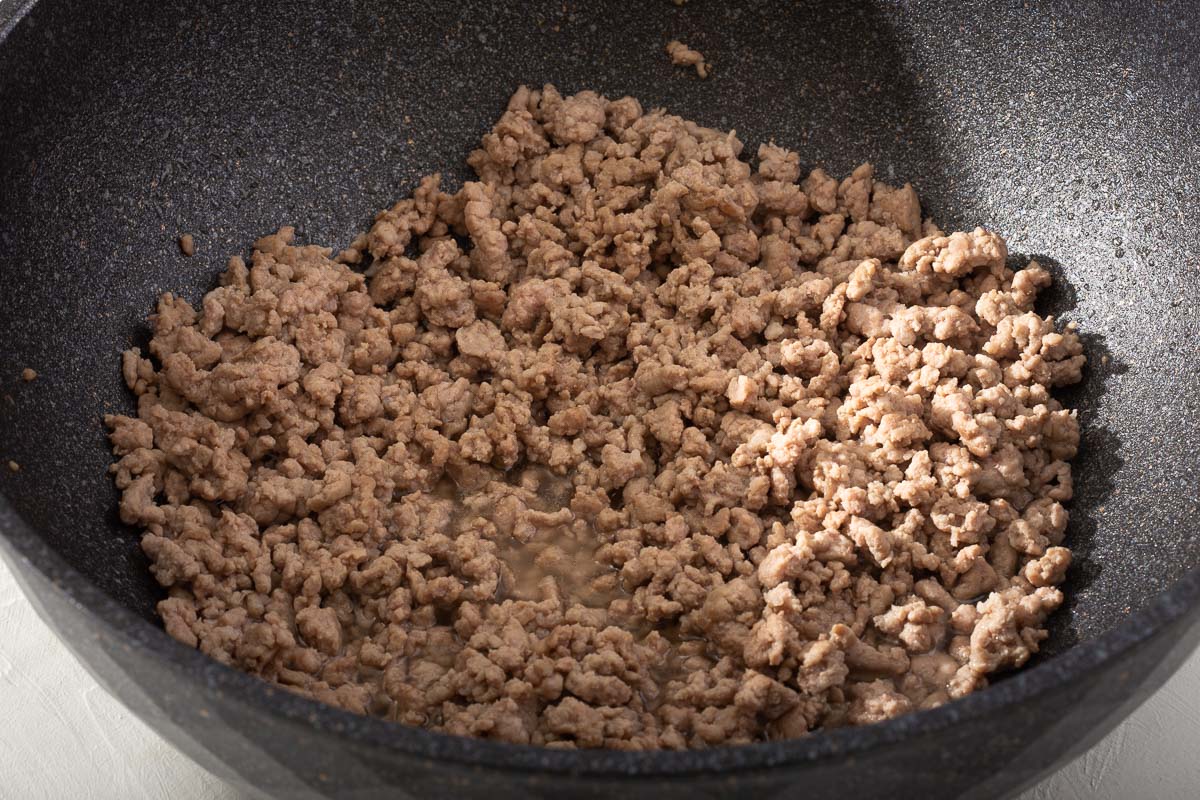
(684, 56)
(630, 442)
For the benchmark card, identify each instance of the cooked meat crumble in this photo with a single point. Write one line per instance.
(627, 443)
(684, 56)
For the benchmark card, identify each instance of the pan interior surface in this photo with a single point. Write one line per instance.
(133, 123)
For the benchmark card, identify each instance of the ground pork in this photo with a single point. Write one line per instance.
(629, 443)
(684, 56)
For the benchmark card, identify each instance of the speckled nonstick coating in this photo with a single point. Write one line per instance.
(1070, 128)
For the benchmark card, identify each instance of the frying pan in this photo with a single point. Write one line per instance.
(1071, 129)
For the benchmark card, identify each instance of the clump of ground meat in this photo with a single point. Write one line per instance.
(684, 56)
(628, 443)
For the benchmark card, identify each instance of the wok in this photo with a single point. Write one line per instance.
(1072, 129)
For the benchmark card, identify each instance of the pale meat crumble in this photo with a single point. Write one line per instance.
(684, 56)
(627, 443)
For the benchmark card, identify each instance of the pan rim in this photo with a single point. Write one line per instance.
(30, 549)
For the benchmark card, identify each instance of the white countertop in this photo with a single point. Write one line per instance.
(63, 736)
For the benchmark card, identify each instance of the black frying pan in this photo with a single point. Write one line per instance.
(1073, 129)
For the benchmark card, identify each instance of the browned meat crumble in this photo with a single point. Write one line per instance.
(684, 56)
(626, 443)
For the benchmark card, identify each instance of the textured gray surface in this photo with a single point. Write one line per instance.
(11, 12)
